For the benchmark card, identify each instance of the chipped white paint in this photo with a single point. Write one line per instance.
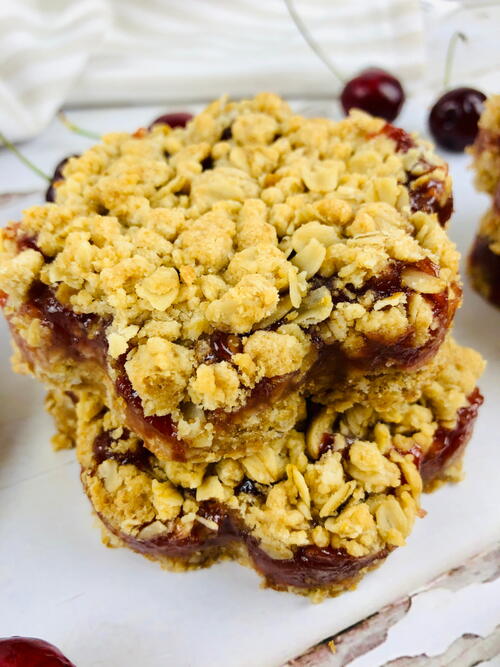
(454, 621)
(436, 618)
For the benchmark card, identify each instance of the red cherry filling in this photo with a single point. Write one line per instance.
(449, 444)
(150, 427)
(309, 567)
(454, 117)
(401, 138)
(374, 91)
(30, 652)
(222, 346)
(178, 119)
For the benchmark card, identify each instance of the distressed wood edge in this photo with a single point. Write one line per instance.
(465, 651)
(359, 639)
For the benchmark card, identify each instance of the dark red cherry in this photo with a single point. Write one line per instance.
(454, 117)
(50, 193)
(374, 91)
(30, 652)
(178, 119)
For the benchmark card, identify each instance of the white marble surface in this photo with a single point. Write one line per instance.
(110, 607)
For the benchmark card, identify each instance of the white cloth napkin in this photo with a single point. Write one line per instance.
(44, 48)
(104, 52)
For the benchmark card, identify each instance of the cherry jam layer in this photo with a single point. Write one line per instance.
(449, 444)
(151, 428)
(80, 335)
(103, 450)
(430, 196)
(484, 266)
(401, 138)
(23, 241)
(310, 567)
(221, 346)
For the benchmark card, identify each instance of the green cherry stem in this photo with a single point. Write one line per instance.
(310, 41)
(449, 56)
(75, 128)
(10, 146)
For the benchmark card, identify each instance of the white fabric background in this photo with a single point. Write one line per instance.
(102, 52)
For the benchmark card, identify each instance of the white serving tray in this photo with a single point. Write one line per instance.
(107, 607)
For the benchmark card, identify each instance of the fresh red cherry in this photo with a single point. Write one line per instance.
(178, 119)
(454, 117)
(30, 652)
(50, 193)
(374, 91)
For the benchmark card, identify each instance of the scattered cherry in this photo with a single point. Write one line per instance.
(177, 119)
(375, 91)
(50, 194)
(453, 120)
(30, 652)
(454, 117)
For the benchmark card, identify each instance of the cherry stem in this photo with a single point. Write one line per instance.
(449, 56)
(75, 128)
(10, 146)
(311, 42)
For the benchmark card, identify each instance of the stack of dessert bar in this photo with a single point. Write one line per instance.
(244, 326)
(484, 259)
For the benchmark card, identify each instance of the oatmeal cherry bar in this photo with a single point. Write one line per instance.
(203, 279)
(310, 512)
(484, 258)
